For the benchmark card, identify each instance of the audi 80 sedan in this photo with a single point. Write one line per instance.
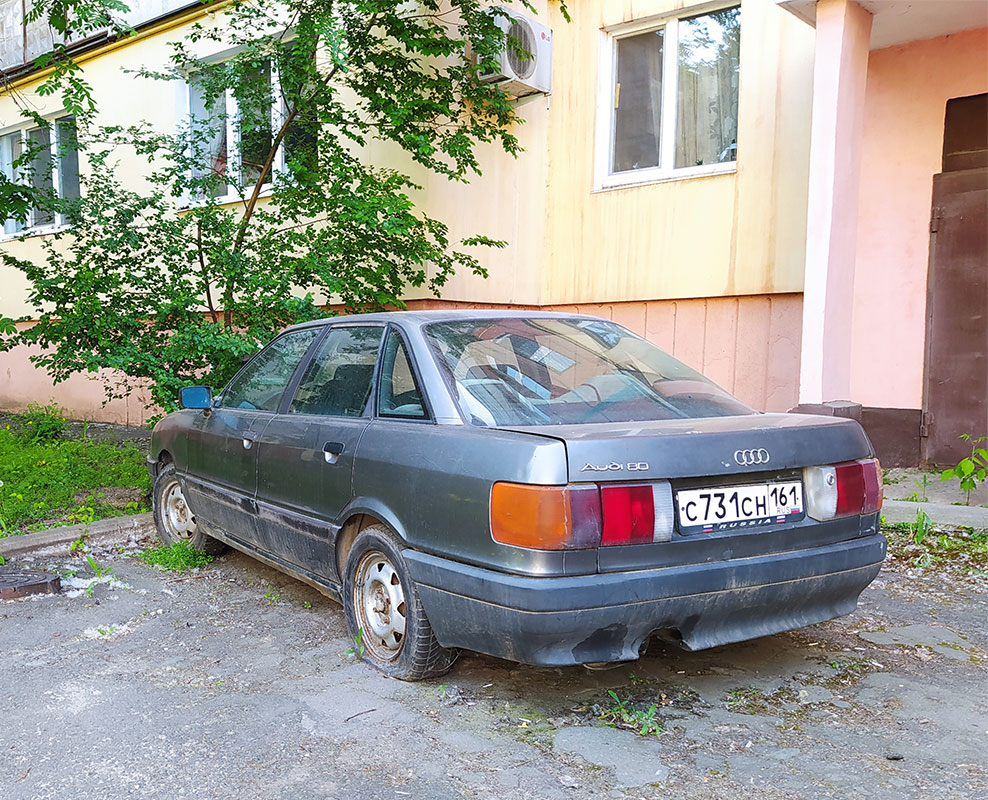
(546, 488)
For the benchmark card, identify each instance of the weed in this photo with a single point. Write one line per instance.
(894, 526)
(40, 423)
(307, 604)
(921, 496)
(106, 631)
(98, 571)
(3, 561)
(921, 527)
(272, 595)
(973, 469)
(624, 715)
(358, 645)
(747, 701)
(847, 671)
(177, 557)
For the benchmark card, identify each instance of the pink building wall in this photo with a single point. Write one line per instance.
(82, 395)
(907, 90)
(748, 344)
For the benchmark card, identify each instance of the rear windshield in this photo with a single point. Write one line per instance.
(556, 371)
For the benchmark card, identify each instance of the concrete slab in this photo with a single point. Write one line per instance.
(957, 516)
(634, 759)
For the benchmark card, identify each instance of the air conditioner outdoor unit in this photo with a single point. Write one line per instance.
(525, 62)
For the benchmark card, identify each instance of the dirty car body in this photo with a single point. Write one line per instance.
(548, 488)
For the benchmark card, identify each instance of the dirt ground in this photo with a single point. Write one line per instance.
(236, 682)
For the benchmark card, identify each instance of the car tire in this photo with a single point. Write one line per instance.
(384, 614)
(174, 518)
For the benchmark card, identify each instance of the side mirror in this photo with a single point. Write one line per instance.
(195, 397)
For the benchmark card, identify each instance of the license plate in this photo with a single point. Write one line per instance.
(735, 507)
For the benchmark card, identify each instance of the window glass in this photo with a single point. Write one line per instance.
(707, 107)
(400, 395)
(41, 174)
(42, 150)
(208, 135)
(638, 101)
(68, 158)
(338, 380)
(553, 371)
(261, 384)
(10, 151)
(254, 102)
(301, 148)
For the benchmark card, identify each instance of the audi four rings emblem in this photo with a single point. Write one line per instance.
(748, 458)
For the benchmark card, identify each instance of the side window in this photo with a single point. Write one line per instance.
(261, 384)
(400, 395)
(338, 380)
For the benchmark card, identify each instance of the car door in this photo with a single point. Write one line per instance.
(305, 456)
(222, 470)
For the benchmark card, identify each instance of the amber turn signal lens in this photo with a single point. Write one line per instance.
(545, 517)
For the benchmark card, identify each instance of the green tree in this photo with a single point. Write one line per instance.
(170, 285)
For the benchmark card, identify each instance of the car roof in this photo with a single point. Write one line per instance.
(418, 318)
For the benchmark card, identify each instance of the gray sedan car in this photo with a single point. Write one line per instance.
(546, 488)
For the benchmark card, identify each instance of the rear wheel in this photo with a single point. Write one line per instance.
(174, 518)
(384, 613)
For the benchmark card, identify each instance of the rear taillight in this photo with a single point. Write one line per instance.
(545, 517)
(636, 513)
(843, 490)
(575, 517)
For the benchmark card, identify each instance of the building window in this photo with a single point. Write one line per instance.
(48, 159)
(230, 133)
(669, 105)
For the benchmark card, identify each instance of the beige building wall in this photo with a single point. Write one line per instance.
(907, 93)
(709, 267)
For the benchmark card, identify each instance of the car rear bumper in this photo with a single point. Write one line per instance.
(607, 617)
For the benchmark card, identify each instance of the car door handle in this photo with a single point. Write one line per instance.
(331, 451)
(249, 438)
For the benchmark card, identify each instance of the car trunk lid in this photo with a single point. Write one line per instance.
(714, 446)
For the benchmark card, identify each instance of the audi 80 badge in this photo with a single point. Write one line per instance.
(546, 488)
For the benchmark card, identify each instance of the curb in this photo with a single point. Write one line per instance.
(966, 516)
(101, 530)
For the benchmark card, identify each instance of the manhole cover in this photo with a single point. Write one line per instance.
(21, 582)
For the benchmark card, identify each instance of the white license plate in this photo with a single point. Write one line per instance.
(731, 507)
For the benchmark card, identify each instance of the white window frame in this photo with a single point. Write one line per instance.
(232, 112)
(24, 128)
(604, 178)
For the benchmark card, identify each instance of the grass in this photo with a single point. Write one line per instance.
(39, 479)
(177, 557)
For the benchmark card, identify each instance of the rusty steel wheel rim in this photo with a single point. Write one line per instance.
(176, 515)
(379, 602)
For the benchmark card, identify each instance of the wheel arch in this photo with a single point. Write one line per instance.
(360, 514)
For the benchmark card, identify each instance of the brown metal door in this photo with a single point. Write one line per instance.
(956, 392)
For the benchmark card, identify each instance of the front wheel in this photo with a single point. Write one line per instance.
(384, 614)
(174, 518)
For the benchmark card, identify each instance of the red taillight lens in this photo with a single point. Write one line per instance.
(629, 514)
(859, 487)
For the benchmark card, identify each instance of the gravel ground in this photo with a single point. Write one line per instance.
(236, 682)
